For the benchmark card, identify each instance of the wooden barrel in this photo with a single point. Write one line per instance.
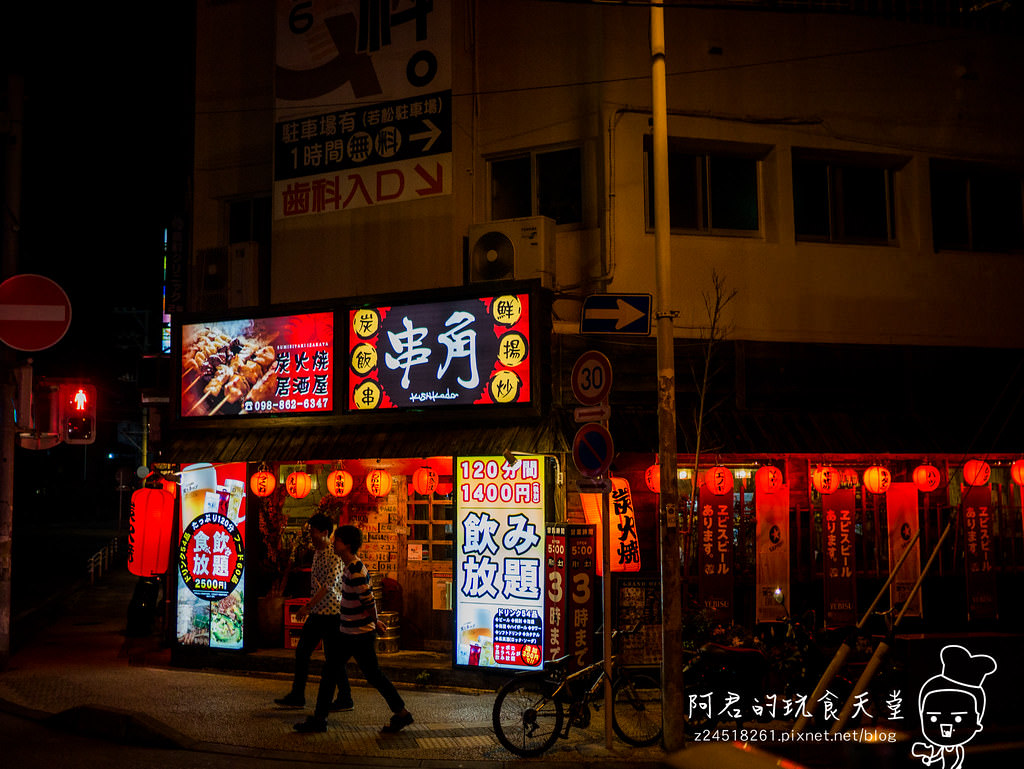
(388, 642)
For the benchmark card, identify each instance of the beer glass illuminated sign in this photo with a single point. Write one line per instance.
(499, 562)
(470, 351)
(282, 365)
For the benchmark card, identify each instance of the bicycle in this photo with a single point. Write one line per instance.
(529, 709)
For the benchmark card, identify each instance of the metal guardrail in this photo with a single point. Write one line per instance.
(102, 560)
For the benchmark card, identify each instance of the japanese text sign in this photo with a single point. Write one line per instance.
(979, 553)
(282, 365)
(499, 562)
(466, 352)
(625, 546)
(715, 554)
(840, 565)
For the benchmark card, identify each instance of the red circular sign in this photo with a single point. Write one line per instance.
(591, 378)
(35, 313)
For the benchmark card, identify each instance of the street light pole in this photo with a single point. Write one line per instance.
(668, 513)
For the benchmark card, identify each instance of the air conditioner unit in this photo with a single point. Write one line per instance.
(513, 249)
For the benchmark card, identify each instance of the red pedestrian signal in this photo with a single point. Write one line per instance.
(77, 413)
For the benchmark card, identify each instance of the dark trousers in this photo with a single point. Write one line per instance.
(339, 648)
(315, 629)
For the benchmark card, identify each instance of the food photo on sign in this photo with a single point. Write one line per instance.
(281, 365)
(470, 351)
(211, 556)
(499, 569)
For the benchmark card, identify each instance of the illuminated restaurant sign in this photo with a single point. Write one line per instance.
(211, 556)
(499, 562)
(280, 365)
(470, 351)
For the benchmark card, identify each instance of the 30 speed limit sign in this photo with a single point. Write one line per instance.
(591, 378)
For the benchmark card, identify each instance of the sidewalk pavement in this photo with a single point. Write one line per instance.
(84, 675)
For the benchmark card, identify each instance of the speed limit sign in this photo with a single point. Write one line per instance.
(591, 378)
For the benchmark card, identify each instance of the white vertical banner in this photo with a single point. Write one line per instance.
(902, 516)
(772, 511)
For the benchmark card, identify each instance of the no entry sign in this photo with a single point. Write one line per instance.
(34, 312)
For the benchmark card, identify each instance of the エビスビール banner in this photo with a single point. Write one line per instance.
(837, 515)
(499, 562)
(464, 352)
(280, 365)
(716, 554)
(211, 555)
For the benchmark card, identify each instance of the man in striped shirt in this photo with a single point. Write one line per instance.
(356, 637)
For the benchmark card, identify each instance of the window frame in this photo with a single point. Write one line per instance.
(970, 176)
(432, 503)
(535, 194)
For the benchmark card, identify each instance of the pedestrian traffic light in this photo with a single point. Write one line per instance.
(77, 412)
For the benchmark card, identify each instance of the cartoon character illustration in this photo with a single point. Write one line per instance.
(952, 705)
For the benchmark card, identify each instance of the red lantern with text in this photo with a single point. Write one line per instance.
(378, 483)
(263, 483)
(768, 479)
(926, 478)
(877, 479)
(1017, 472)
(149, 532)
(825, 479)
(298, 485)
(340, 483)
(719, 480)
(976, 472)
(653, 478)
(424, 481)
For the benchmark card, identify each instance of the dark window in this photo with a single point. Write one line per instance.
(843, 202)
(539, 183)
(976, 208)
(709, 192)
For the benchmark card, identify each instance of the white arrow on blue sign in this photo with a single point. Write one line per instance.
(616, 314)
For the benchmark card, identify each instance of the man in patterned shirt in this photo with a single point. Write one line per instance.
(355, 638)
(321, 615)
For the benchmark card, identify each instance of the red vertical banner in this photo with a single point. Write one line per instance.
(581, 574)
(555, 594)
(772, 511)
(622, 522)
(981, 578)
(716, 554)
(840, 565)
(902, 515)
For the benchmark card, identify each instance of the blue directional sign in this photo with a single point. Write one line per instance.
(616, 314)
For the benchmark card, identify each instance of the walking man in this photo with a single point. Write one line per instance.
(355, 637)
(321, 614)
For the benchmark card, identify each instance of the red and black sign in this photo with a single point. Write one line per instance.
(211, 556)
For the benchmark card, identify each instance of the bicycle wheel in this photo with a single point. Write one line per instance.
(636, 709)
(527, 719)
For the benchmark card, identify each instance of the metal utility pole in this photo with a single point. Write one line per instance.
(673, 712)
(10, 125)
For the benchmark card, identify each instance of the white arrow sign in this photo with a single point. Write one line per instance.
(623, 313)
(431, 135)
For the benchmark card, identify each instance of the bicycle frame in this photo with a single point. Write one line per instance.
(578, 702)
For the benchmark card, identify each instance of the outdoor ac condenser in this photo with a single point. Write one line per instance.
(513, 249)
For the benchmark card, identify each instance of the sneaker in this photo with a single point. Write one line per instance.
(311, 725)
(291, 701)
(342, 706)
(398, 722)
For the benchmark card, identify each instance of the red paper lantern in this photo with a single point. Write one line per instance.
(926, 478)
(653, 478)
(298, 485)
(149, 532)
(976, 472)
(378, 482)
(424, 481)
(263, 483)
(826, 479)
(768, 479)
(719, 480)
(877, 479)
(1017, 472)
(340, 483)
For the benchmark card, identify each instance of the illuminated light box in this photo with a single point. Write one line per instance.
(279, 365)
(472, 351)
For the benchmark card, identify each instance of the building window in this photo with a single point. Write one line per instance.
(710, 192)
(976, 208)
(546, 183)
(430, 522)
(841, 201)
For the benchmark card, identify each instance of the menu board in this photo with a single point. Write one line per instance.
(211, 556)
(280, 365)
(466, 352)
(499, 562)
